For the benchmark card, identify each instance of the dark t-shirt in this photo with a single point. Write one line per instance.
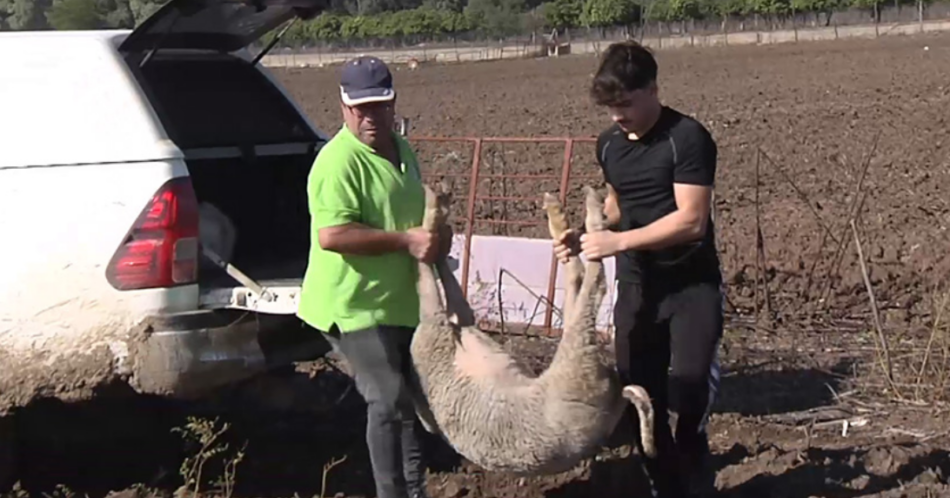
(678, 149)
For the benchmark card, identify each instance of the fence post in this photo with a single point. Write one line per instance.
(470, 218)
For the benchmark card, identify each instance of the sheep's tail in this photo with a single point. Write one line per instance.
(641, 401)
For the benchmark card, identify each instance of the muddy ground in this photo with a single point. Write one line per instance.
(814, 114)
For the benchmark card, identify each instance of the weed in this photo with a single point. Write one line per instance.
(206, 435)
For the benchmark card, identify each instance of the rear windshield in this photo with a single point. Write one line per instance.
(220, 102)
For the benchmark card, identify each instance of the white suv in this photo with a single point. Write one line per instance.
(153, 210)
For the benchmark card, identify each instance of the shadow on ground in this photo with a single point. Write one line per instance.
(763, 391)
(119, 441)
(624, 477)
(845, 473)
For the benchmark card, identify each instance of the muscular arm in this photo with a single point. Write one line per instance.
(686, 224)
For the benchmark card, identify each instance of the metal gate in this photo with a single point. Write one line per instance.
(475, 173)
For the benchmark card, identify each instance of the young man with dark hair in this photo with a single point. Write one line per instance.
(660, 166)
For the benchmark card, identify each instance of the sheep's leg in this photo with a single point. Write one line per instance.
(432, 312)
(641, 401)
(455, 299)
(580, 329)
(431, 308)
(421, 405)
(593, 285)
(437, 209)
(595, 221)
(573, 269)
(430, 301)
(593, 276)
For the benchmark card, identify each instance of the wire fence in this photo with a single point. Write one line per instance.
(749, 30)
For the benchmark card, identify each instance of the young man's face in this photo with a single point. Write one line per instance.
(370, 121)
(635, 110)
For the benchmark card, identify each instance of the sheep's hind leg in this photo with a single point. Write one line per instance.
(431, 308)
(455, 303)
(637, 395)
(573, 269)
(593, 286)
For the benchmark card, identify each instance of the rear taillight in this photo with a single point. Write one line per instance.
(161, 249)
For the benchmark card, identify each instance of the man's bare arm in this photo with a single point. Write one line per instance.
(356, 238)
(686, 224)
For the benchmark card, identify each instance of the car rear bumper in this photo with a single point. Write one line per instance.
(188, 355)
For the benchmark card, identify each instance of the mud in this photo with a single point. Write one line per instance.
(776, 431)
(791, 378)
(27, 378)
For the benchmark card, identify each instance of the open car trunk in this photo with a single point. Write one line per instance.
(248, 149)
(248, 152)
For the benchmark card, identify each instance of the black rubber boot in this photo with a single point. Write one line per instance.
(696, 469)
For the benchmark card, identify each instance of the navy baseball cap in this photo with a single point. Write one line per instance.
(366, 79)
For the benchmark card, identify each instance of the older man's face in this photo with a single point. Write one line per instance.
(371, 121)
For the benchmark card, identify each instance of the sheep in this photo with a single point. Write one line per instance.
(486, 404)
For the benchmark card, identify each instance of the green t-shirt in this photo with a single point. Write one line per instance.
(348, 182)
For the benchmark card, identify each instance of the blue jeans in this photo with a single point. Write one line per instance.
(379, 359)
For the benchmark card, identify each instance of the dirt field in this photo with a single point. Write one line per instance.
(818, 112)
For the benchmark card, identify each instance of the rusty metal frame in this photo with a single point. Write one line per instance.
(474, 176)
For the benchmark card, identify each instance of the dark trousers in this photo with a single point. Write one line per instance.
(667, 338)
(379, 359)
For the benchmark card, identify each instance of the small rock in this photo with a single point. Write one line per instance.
(126, 493)
(929, 477)
(452, 490)
(891, 255)
(859, 483)
(895, 316)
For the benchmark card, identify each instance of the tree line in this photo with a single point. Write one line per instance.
(355, 20)
(503, 18)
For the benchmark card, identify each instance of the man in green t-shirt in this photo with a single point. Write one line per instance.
(366, 206)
